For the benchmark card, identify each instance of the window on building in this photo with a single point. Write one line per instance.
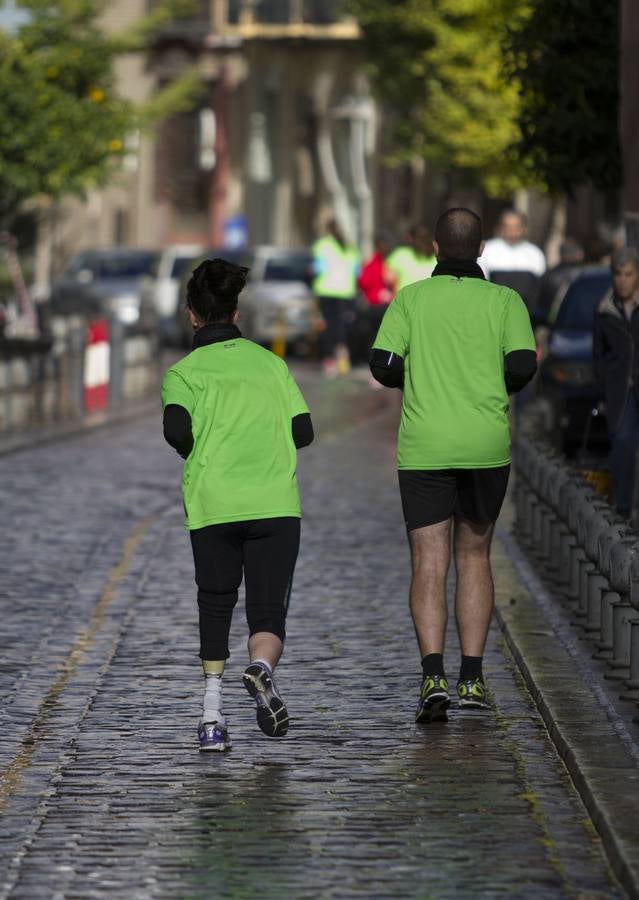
(282, 12)
(234, 9)
(276, 12)
(121, 227)
(320, 12)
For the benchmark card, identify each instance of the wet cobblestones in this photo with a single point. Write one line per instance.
(105, 794)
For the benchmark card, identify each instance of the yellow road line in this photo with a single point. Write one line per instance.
(11, 777)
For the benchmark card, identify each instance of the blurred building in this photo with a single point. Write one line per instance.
(285, 134)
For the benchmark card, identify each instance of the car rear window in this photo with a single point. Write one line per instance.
(289, 268)
(128, 265)
(580, 303)
(181, 264)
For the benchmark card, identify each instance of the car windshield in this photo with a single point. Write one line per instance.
(181, 264)
(577, 311)
(289, 268)
(125, 265)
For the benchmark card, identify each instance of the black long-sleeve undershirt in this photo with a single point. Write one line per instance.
(387, 368)
(519, 368)
(177, 429)
(179, 434)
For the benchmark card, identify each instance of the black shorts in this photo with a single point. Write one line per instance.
(434, 495)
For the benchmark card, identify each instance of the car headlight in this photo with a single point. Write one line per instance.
(126, 308)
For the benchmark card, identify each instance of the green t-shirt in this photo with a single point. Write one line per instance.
(335, 269)
(409, 267)
(453, 334)
(241, 399)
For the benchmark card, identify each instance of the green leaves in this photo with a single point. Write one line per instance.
(438, 64)
(566, 61)
(513, 92)
(63, 125)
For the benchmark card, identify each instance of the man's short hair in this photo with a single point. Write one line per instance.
(458, 234)
(511, 211)
(625, 256)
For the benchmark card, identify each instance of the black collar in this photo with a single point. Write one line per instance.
(458, 268)
(215, 332)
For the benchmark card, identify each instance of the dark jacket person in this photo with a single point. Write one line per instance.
(615, 346)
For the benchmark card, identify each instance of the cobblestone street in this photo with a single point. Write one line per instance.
(104, 793)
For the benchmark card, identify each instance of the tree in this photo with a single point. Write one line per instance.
(439, 66)
(566, 60)
(63, 126)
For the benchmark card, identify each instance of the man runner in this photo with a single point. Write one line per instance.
(458, 345)
(236, 415)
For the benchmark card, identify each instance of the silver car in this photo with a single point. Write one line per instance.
(107, 282)
(277, 304)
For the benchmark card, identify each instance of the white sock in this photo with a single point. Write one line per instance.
(212, 706)
(266, 665)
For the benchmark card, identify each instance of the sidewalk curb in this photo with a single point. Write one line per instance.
(596, 748)
(37, 437)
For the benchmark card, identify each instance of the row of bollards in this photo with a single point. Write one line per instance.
(73, 374)
(589, 552)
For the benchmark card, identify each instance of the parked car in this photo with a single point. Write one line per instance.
(109, 282)
(277, 302)
(163, 290)
(566, 374)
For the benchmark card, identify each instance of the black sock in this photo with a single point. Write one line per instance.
(433, 664)
(470, 668)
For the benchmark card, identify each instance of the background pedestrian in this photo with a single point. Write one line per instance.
(336, 264)
(375, 282)
(615, 345)
(510, 259)
(411, 262)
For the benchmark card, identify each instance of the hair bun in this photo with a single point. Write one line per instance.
(213, 288)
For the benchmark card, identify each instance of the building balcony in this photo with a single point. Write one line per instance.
(221, 22)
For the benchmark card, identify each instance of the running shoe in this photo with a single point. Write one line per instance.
(213, 736)
(272, 715)
(433, 700)
(472, 694)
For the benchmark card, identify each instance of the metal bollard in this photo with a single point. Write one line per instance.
(605, 645)
(544, 511)
(593, 525)
(76, 344)
(609, 538)
(577, 503)
(117, 362)
(595, 588)
(622, 555)
(587, 568)
(632, 682)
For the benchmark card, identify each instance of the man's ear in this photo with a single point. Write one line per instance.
(481, 248)
(436, 249)
(195, 322)
(236, 317)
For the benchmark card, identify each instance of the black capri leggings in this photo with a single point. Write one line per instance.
(265, 551)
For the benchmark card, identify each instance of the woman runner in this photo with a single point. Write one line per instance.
(233, 411)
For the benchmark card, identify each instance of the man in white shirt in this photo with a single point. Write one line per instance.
(510, 251)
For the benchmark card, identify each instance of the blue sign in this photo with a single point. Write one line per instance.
(235, 232)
